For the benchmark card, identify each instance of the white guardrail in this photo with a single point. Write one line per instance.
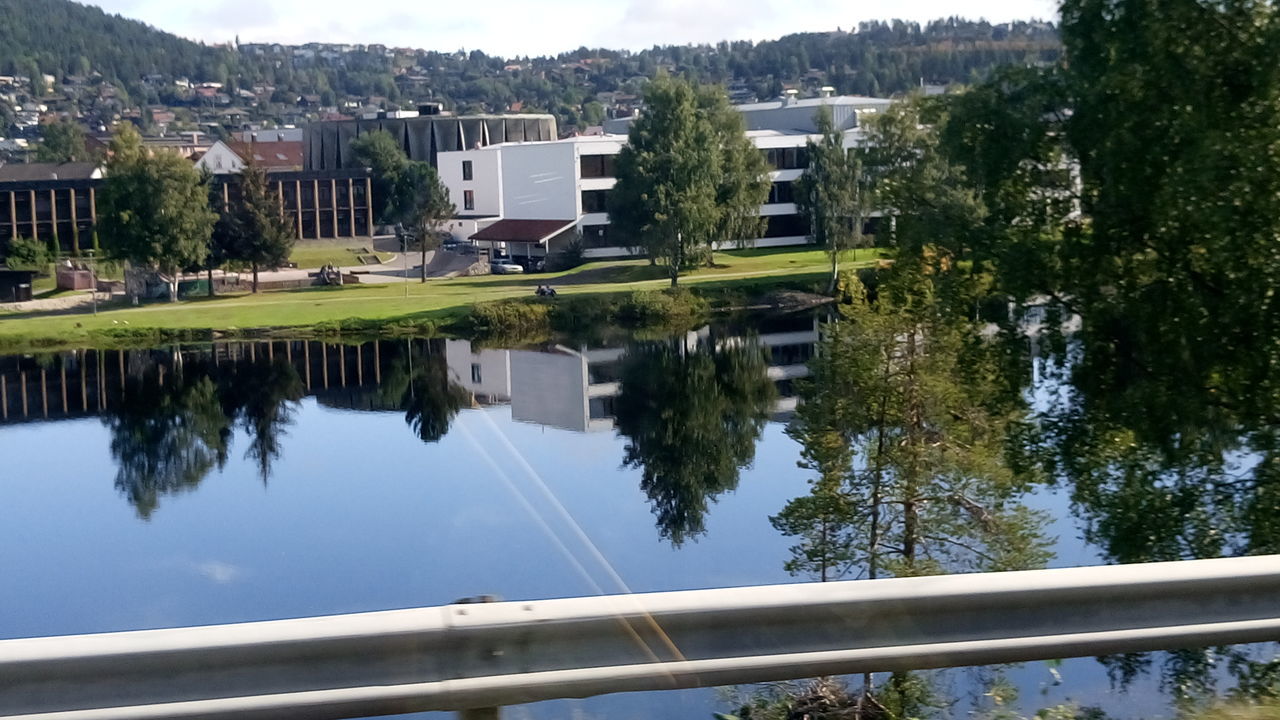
(465, 656)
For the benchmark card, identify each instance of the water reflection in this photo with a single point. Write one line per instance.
(691, 407)
(691, 410)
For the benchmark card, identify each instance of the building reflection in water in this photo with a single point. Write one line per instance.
(572, 387)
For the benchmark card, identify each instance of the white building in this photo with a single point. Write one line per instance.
(531, 199)
(574, 388)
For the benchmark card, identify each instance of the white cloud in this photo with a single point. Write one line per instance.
(536, 27)
(218, 572)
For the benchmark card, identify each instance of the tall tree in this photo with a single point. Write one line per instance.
(421, 202)
(688, 177)
(830, 195)
(386, 160)
(260, 234)
(153, 210)
(905, 424)
(62, 142)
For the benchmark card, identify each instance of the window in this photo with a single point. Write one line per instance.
(596, 166)
(475, 373)
(595, 236)
(786, 226)
(787, 158)
(466, 169)
(595, 201)
(780, 192)
(468, 200)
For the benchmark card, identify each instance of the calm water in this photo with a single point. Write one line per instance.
(253, 481)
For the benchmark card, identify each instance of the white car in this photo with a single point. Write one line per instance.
(502, 267)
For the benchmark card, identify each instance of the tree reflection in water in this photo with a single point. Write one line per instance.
(417, 382)
(691, 413)
(175, 420)
(167, 432)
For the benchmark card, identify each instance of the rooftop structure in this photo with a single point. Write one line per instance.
(791, 114)
(328, 144)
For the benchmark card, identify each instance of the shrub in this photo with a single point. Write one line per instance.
(510, 317)
(28, 254)
(576, 314)
(569, 258)
(662, 307)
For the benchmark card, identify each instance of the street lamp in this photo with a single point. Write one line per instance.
(93, 281)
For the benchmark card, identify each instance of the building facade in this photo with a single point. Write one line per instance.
(331, 204)
(59, 203)
(422, 137)
(505, 186)
(47, 201)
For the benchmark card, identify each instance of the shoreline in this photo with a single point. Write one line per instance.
(435, 308)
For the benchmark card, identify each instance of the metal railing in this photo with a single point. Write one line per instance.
(464, 656)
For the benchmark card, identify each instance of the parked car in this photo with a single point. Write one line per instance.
(504, 267)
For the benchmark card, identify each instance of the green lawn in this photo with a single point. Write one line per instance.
(437, 299)
(314, 256)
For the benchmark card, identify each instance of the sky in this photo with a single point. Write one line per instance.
(535, 27)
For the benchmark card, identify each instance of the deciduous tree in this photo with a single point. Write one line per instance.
(688, 177)
(153, 210)
(421, 202)
(831, 195)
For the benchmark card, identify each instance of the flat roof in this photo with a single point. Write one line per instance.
(29, 172)
(531, 231)
(854, 100)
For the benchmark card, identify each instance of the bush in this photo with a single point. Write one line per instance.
(662, 307)
(28, 254)
(510, 317)
(576, 314)
(569, 258)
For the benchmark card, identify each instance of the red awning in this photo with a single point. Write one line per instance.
(530, 231)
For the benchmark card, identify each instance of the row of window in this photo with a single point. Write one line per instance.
(597, 201)
(792, 158)
(603, 166)
(596, 166)
(597, 236)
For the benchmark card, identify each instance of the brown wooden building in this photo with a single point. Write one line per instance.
(320, 204)
(44, 201)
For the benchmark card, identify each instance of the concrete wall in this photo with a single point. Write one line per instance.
(550, 388)
(485, 183)
(540, 181)
(494, 367)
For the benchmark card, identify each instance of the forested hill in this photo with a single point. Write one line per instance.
(67, 38)
(82, 43)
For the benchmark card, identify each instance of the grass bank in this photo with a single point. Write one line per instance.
(319, 255)
(415, 307)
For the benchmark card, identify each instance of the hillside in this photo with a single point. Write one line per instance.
(76, 43)
(67, 38)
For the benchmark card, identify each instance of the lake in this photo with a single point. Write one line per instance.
(256, 480)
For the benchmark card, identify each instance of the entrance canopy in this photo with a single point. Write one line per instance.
(525, 238)
(523, 231)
